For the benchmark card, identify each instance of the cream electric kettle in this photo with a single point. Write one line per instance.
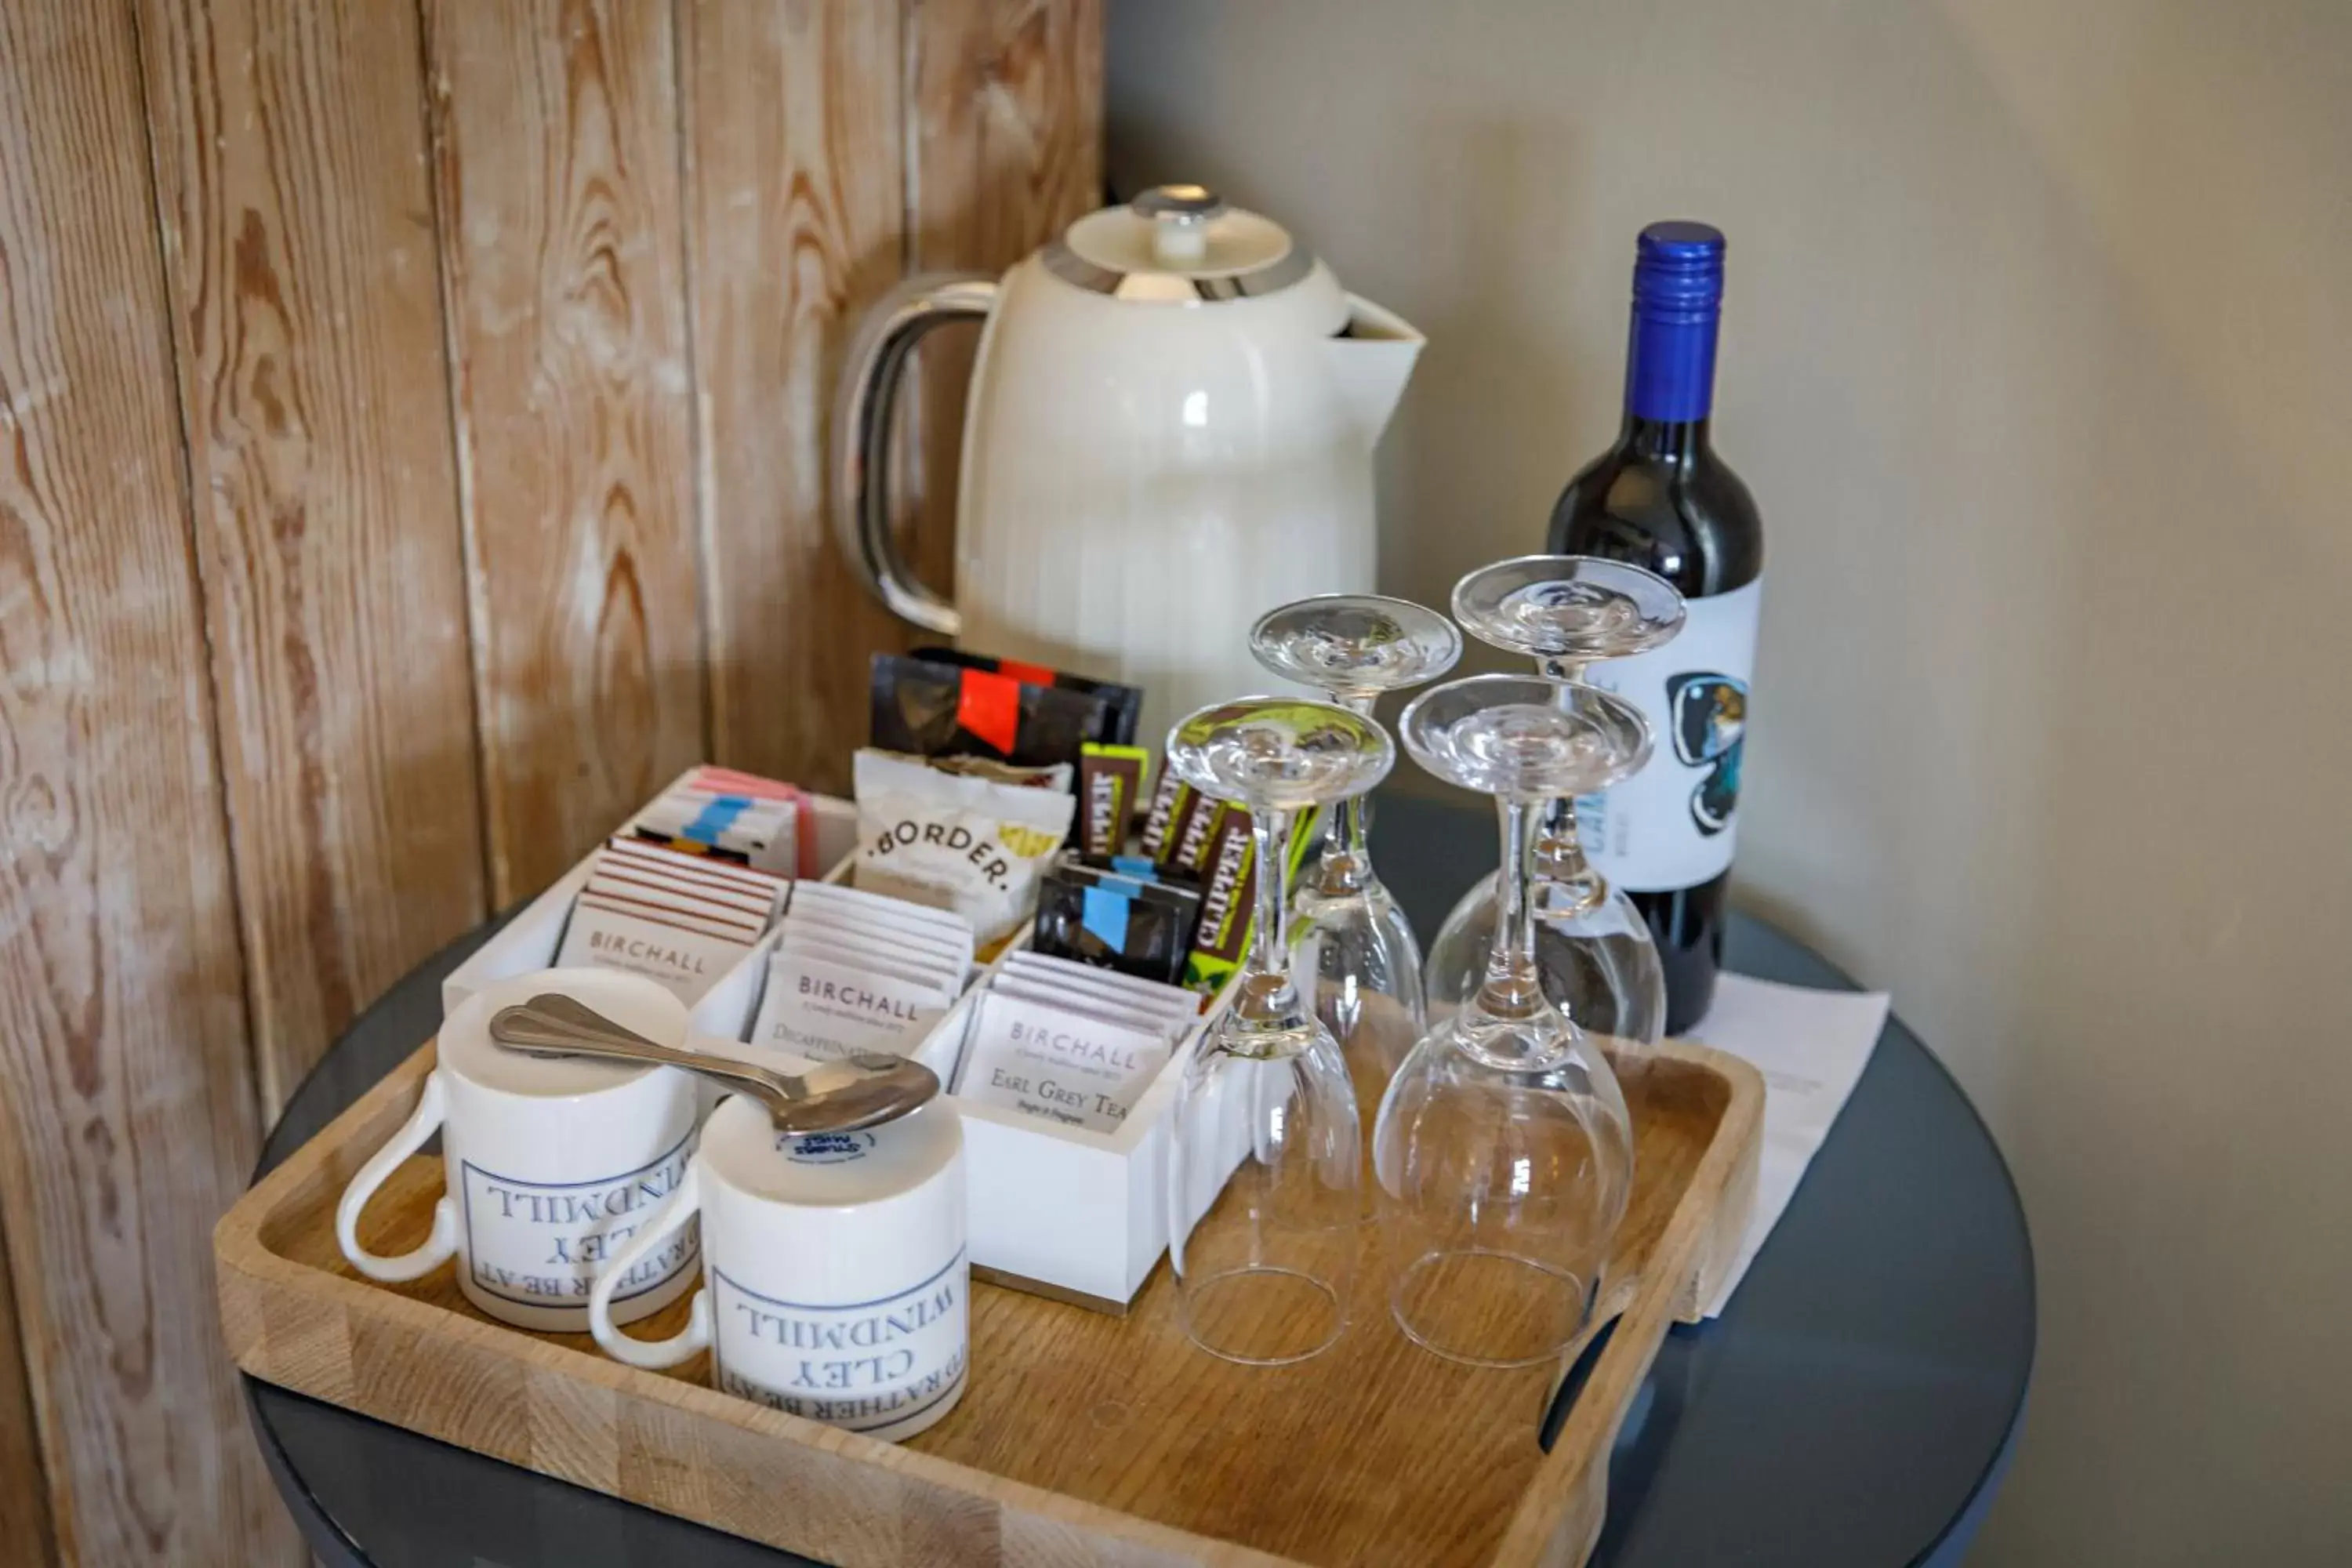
(1170, 431)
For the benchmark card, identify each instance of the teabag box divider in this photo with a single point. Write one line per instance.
(1066, 1212)
(533, 937)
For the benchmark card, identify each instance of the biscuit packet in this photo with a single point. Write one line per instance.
(971, 837)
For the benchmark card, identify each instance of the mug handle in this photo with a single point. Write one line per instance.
(432, 1110)
(680, 1207)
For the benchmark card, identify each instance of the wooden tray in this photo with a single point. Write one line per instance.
(1082, 1437)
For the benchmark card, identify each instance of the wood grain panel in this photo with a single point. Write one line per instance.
(555, 161)
(793, 166)
(127, 1100)
(1004, 149)
(288, 142)
(25, 1536)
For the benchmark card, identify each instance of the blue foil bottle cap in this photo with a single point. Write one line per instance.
(1677, 300)
(1678, 270)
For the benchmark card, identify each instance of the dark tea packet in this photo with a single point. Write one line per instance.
(1110, 780)
(1181, 823)
(1125, 702)
(1193, 836)
(1159, 822)
(921, 708)
(1228, 902)
(1138, 921)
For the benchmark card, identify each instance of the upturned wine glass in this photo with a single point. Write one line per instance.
(1504, 1152)
(1266, 1171)
(1265, 1195)
(1351, 947)
(1593, 948)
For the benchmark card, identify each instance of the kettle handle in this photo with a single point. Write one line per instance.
(870, 380)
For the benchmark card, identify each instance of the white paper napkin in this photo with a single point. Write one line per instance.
(1811, 1046)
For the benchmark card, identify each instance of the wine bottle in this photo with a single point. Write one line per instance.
(1661, 498)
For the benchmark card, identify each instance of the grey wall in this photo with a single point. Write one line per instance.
(2035, 355)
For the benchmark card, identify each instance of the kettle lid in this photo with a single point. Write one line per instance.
(1178, 245)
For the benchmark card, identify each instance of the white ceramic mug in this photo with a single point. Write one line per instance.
(836, 1281)
(550, 1164)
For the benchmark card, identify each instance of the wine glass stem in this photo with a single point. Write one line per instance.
(1560, 863)
(1559, 849)
(1346, 866)
(1263, 997)
(1513, 988)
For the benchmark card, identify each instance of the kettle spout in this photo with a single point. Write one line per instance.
(1371, 357)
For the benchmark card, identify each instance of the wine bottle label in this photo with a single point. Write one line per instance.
(1671, 825)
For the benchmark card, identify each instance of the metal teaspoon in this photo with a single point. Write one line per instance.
(863, 1090)
(572, 1010)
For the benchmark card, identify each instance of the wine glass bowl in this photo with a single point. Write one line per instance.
(1265, 1187)
(1504, 1189)
(1576, 608)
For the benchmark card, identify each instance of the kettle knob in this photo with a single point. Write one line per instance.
(1179, 218)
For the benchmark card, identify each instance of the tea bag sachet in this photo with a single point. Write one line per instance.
(970, 837)
(683, 919)
(1068, 1043)
(853, 972)
(734, 817)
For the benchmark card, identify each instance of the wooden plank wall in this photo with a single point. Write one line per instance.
(412, 433)
(799, 218)
(127, 1074)
(555, 157)
(298, 247)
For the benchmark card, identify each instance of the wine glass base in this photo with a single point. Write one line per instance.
(1484, 1307)
(1262, 1316)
